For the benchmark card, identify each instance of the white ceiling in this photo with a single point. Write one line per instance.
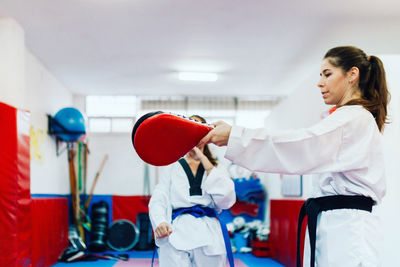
(258, 47)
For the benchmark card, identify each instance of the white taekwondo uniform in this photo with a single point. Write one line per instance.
(345, 149)
(193, 241)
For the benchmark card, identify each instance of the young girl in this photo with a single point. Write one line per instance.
(183, 211)
(345, 149)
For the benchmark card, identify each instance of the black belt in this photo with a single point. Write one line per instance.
(313, 206)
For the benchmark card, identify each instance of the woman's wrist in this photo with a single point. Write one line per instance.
(208, 166)
(209, 169)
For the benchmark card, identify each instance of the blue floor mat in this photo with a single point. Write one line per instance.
(247, 258)
(253, 261)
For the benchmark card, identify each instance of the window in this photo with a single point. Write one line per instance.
(111, 113)
(117, 114)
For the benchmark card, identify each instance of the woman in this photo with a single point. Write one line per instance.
(345, 149)
(183, 210)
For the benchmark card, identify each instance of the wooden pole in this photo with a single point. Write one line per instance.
(95, 181)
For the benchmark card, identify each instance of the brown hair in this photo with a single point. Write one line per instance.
(206, 151)
(372, 80)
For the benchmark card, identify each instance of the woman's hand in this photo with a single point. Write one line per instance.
(218, 136)
(163, 230)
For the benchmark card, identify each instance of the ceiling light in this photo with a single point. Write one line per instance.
(198, 76)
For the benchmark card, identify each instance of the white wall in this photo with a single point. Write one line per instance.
(12, 63)
(123, 173)
(389, 209)
(303, 108)
(25, 83)
(45, 95)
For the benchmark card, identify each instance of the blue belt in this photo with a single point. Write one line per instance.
(200, 211)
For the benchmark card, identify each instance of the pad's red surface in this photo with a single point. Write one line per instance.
(161, 139)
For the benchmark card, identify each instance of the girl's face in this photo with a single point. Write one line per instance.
(334, 84)
(199, 120)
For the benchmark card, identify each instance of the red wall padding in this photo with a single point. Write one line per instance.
(15, 201)
(283, 230)
(49, 230)
(32, 232)
(127, 207)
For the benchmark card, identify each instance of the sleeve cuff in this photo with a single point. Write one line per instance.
(236, 133)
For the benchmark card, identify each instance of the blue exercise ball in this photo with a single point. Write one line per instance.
(69, 124)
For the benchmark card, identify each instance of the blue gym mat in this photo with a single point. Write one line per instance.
(247, 258)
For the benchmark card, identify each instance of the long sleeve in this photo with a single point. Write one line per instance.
(338, 143)
(160, 203)
(220, 186)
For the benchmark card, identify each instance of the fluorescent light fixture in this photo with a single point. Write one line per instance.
(198, 76)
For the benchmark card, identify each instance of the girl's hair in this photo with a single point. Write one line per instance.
(372, 80)
(206, 151)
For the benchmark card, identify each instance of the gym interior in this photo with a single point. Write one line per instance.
(75, 77)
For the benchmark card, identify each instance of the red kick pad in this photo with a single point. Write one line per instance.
(162, 138)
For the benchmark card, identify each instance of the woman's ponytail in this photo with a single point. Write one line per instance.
(376, 92)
